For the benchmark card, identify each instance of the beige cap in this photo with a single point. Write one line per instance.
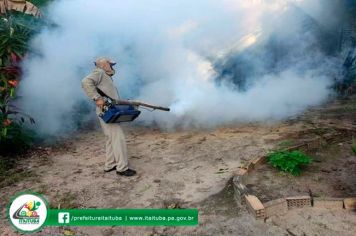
(100, 60)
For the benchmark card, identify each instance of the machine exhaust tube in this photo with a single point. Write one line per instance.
(136, 103)
(109, 100)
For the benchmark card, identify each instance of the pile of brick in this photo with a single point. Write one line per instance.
(281, 206)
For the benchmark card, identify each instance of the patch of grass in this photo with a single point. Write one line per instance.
(322, 131)
(13, 169)
(290, 162)
(353, 146)
(350, 107)
(316, 195)
(286, 144)
(5, 165)
(42, 189)
(12, 177)
(67, 200)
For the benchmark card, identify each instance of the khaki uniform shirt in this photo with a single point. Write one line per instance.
(99, 79)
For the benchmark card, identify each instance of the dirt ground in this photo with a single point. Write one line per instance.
(186, 168)
(333, 170)
(332, 174)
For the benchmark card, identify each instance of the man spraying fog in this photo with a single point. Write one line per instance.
(101, 78)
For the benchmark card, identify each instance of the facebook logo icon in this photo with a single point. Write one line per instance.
(63, 217)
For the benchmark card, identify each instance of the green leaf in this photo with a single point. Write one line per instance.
(290, 162)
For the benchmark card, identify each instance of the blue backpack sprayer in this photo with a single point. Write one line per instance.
(123, 110)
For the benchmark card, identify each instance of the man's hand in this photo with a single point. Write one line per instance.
(100, 103)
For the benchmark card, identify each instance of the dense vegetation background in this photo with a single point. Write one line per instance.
(17, 27)
(19, 21)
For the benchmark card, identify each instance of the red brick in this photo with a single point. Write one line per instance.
(240, 172)
(276, 207)
(350, 203)
(255, 207)
(328, 203)
(298, 201)
(250, 167)
(260, 160)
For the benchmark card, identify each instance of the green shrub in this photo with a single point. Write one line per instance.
(290, 162)
(16, 30)
(17, 139)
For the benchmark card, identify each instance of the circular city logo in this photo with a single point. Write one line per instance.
(27, 212)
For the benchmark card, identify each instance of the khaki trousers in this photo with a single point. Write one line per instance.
(116, 152)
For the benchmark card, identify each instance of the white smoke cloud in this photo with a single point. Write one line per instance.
(166, 53)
